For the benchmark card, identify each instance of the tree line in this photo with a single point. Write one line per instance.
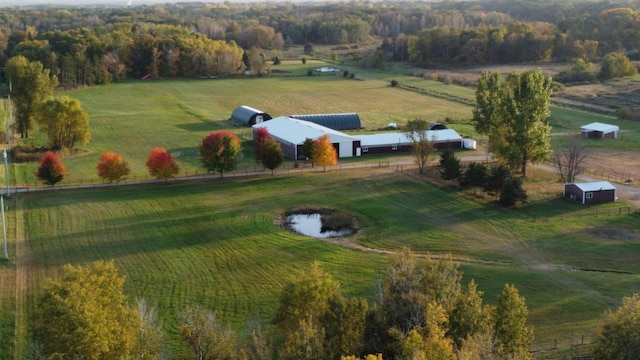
(86, 46)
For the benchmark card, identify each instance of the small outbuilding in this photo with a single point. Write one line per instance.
(593, 192)
(248, 116)
(344, 121)
(598, 130)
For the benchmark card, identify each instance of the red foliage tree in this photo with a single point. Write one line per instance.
(112, 167)
(161, 164)
(51, 169)
(262, 134)
(220, 151)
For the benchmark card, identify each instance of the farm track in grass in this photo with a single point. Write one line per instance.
(215, 243)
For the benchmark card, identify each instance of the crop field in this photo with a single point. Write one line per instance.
(217, 243)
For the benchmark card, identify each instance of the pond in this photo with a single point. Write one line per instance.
(311, 225)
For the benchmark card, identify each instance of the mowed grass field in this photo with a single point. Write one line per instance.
(215, 243)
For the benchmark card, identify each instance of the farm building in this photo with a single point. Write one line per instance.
(291, 134)
(598, 130)
(247, 116)
(590, 192)
(397, 141)
(346, 121)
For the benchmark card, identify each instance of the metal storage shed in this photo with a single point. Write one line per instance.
(247, 116)
(598, 130)
(398, 141)
(590, 192)
(345, 121)
(291, 134)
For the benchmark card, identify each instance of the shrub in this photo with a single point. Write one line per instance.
(394, 83)
(352, 75)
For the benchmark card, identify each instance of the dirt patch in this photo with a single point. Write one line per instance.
(612, 235)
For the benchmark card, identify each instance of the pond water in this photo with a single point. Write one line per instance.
(310, 225)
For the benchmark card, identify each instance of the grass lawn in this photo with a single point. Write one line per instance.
(215, 242)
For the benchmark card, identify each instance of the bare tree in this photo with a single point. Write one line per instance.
(417, 132)
(569, 161)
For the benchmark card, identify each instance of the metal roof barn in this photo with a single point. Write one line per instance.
(291, 134)
(590, 192)
(247, 116)
(344, 121)
(598, 130)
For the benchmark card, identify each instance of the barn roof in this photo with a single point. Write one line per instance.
(296, 131)
(399, 138)
(343, 121)
(595, 186)
(596, 126)
(243, 114)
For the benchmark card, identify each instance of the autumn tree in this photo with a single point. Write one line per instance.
(220, 151)
(262, 134)
(570, 160)
(618, 335)
(512, 336)
(202, 332)
(417, 131)
(161, 164)
(513, 113)
(314, 317)
(324, 153)
(51, 170)
(112, 167)
(616, 65)
(272, 155)
(30, 83)
(84, 315)
(64, 122)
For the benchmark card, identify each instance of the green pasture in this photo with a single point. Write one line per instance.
(217, 243)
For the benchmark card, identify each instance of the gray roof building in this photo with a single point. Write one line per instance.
(247, 116)
(343, 121)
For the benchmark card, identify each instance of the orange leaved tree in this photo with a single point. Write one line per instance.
(112, 167)
(161, 164)
(219, 151)
(51, 169)
(324, 154)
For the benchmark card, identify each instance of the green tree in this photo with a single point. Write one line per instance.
(51, 170)
(84, 315)
(219, 151)
(512, 192)
(417, 132)
(272, 155)
(616, 65)
(495, 179)
(449, 165)
(469, 317)
(512, 336)
(618, 335)
(202, 331)
(513, 113)
(474, 175)
(64, 122)
(30, 84)
(307, 148)
(403, 303)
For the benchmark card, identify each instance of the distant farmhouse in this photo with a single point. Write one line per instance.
(598, 130)
(247, 116)
(291, 134)
(590, 192)
(344, 121)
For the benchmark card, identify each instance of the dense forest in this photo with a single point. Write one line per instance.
(97, 45)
